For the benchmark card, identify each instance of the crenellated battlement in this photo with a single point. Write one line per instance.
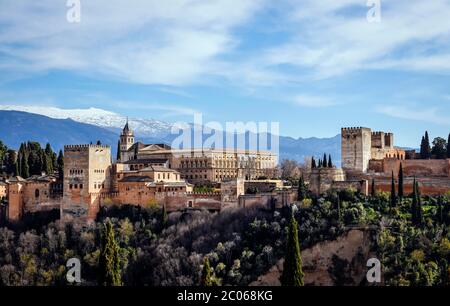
(85, 146)
(353, 129)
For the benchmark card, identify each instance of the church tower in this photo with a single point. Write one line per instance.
(126, 141)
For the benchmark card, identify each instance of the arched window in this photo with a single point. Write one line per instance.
(36, 193)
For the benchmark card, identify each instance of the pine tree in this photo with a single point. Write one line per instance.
(373, 192)
(109, 261)
(400, 182)
(330, 163)
(292, 268)
(393, 196)
(118, 151)
(206, 280)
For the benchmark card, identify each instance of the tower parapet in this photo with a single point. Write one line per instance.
(356, 147)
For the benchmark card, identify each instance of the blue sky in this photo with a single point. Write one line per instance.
(313, 66)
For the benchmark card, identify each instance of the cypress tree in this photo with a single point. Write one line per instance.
(292, 268)
(313, 163)
(400, 182)
(393, 196)
(419, 212)
(372, 191)
(301, 192)
(448, 146)
(165, 217)
(320, 163)
(60, 162)
(330, 163)
(24, 167)
(414, 203)
(338, 204)
(422, 148)
(16, 168)
(427, 147)
(440, 213)
(118, 151)
(324, 162)
(206, 274)
(109, 261)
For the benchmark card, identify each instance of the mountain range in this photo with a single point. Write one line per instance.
(75, 126)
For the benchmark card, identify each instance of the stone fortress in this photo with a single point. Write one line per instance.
(155, 174)
(371, 156)
(145, 175)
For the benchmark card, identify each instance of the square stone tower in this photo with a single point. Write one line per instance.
(87, 173)
(356, 148)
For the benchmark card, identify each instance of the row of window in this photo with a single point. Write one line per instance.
(75, 186)
(76, 171)
(99, 171)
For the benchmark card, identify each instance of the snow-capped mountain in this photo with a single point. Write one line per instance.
(98, 117)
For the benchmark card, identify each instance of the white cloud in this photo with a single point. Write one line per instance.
(411, 35)
(169, 42)
(431, 114)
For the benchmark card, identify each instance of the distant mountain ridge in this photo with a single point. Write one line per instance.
(20, 126)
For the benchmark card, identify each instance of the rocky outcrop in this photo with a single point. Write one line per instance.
(338, 262)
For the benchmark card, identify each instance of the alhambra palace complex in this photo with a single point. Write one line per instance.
(155, 174)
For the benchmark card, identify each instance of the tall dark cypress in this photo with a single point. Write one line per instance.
(440, 211)
(325, 160)
(448, 146)
(419, 212)
(338, 206)
(400, 182)
(427, 146)
(393, 196)
(313, 163)
(301, 192)
(60, 162)
(372, 191)
(414, 204)
(118, 151)
(24, 167)
(292, 269)
(330, 163)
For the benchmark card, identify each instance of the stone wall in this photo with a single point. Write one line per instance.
(322, 179)
(362, 186)
(267, 200)
(412, 167)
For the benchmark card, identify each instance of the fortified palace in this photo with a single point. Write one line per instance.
(156, 174)
(145, 175)
(372, 157)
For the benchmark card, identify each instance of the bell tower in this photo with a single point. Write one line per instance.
(126, 141)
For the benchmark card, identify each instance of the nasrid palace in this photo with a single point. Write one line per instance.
(156, 174)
